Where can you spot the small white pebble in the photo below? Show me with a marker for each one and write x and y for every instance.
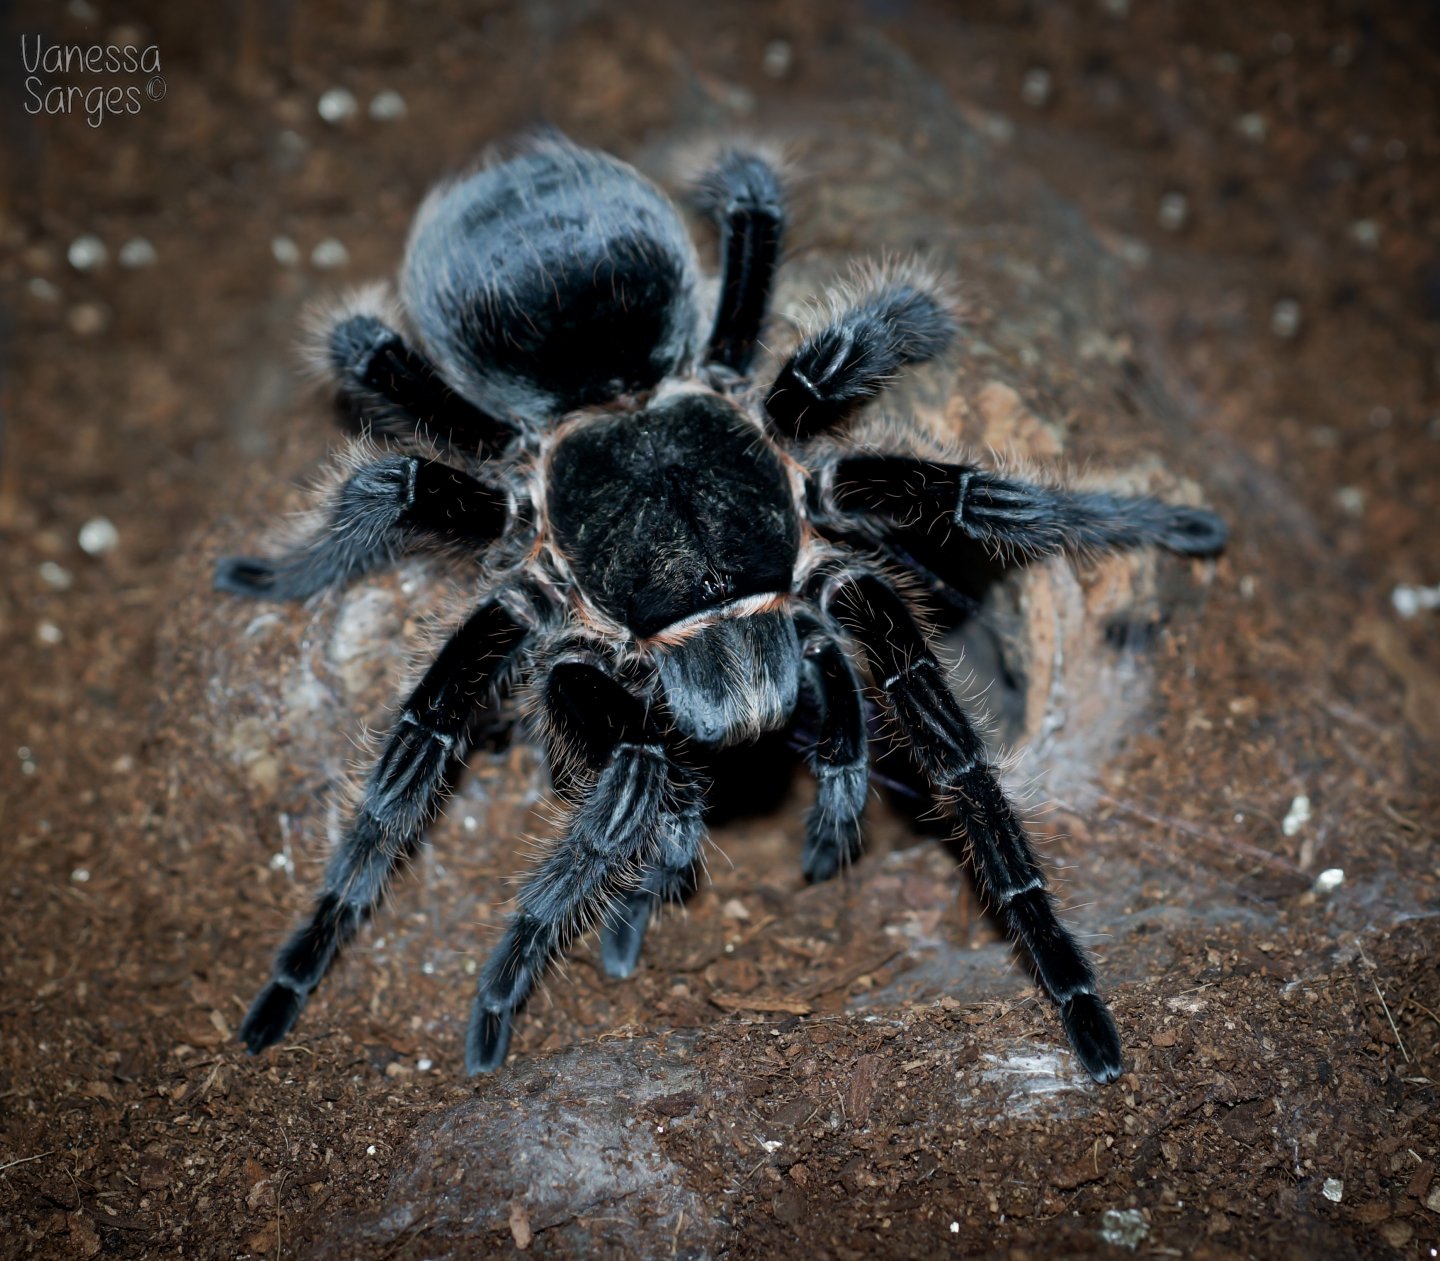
(1409, 601)
(1124, 1227)
(387, 106)
(42, 290)
(278, 862)
(1174, 210)
(285, 251)
(735, 909)
(427, 968)
(1329, 880)
(86, 253)
(1252, 126)
(772, 1144)
(1248, 587)
(954, 1228)
(424, 1065)
(471, 967)
(471, 823)
(778, 58)
(98, 536)
(1035, 89)
(1333, 1190)
(370, 1151)
(329, 254)
(1285, 318)
(337, 104)
(1365, 233)
(57, 576)
(138, 252)
(123, 764)
(27, 767)
(80, 875)
(1351, 499)
(49, 633)
(1297, 816)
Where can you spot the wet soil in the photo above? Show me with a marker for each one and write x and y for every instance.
(1197, 257)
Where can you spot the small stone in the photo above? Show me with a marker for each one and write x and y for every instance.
(1432, 1201)
(735, 909)
(1252, 127)
(1409, 601)
(1365, 233)
(1285, 318)
(387, 106)
(424, 1065)
(138, 252)
(370, 1151)
(43, 290)
(1035, 89)
(778, 58)
(1333, 1190)
(1174, 210)
(48, 633)
(329, 254)
(80, 875)
(1123, 1227)
(1297, 816)
(98, 536)
(86, 253)
(1351, 500)
(57, 576)
(1329, 880)
(337, 105)
(89, 318)
(285, 251)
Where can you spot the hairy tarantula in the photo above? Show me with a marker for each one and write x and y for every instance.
(668, 559)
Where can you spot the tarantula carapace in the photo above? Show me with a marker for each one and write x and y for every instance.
(667, 559)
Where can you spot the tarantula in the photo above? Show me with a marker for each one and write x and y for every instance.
(668, 558)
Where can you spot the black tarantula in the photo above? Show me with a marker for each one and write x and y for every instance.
(669, 559)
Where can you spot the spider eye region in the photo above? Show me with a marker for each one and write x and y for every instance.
(670, 512)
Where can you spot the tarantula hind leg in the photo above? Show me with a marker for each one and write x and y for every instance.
(1014, 516)
(949, 751)
(855, 355)
(839, 758)
(399, 798)
(381, 511)
(631, 821)
(392, 389)
(741, 193)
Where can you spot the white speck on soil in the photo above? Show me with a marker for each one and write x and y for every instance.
(98, 536)
(1297, 816)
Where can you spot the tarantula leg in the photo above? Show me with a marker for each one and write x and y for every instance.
(1016, 516)
(392, 389)
(839, 759)
(855, 355)
(741, 193)
(400, 796)
(630, 819)
(380, 512)
(946, 747)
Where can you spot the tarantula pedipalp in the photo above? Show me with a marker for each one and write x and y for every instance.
(667, 557)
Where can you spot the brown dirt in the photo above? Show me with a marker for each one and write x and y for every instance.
(859, 1069)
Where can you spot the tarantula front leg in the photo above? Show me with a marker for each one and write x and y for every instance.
(400, 797)
(392, 389)
(636, 817)
(382, 510)
(741, 194)
(840, 758)
(853, 357)
(1013, 516)
(948, 750)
